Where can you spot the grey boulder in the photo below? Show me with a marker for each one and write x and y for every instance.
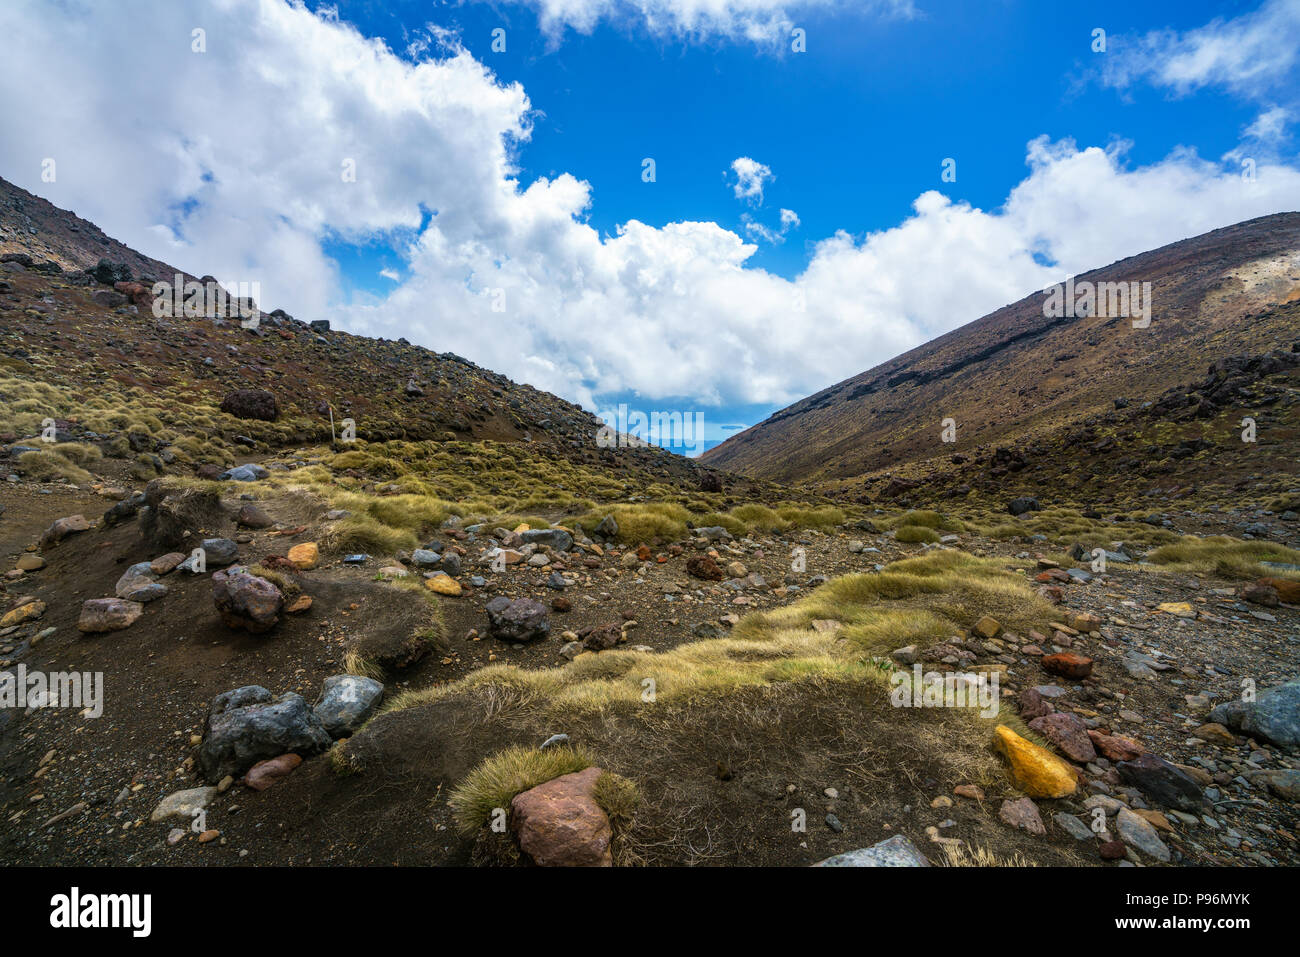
(345, 702)
(247, 725)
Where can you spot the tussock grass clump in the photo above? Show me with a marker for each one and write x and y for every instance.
(822, 518)
(498, 778)
(641, 523)
(80, 453)
(916, 533)
(930, 596)
(1226, 557)
(50, 466)
(355, 664)
(289, 588)
(361, 533)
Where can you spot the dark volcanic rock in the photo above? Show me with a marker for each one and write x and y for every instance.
(1162, 782)
(246, 725)
(246, 601)
(1018, 506)
(520, 620)
(251, 404)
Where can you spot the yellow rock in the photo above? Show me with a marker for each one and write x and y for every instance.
(987, 627)
(28, 612)
(1036, 771)
(1179, 608)
(521, 527)
(443, 585)
(305, 556)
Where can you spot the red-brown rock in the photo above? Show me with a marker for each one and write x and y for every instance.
(1116, 747)
(265, 773)
(1067, 664)
(1068, 733)
(559, 823)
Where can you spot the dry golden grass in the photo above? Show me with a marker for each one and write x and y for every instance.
(964, 855)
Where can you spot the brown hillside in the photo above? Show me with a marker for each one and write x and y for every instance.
(1015, 376)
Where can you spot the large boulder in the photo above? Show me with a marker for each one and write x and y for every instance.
(251, 404)
(246, 601)
(522, 619)
(248, 725)
(346, 702)
(1274, 716)
(1019, 506)
(560, 823)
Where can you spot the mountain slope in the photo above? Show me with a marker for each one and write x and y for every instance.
(88, 352)
(1015, 376)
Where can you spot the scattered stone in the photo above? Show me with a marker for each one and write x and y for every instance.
(1022, 813)
(183, 804)
(522, 619)
(1068, 734)
(1139, 834)
(1274, 716)
(306, 555)
(62, 528)
(251, 404)
(139, 583)
(704, 567)
(246, 601)
(108, 614)
(1162, 782)
(250, 516)
(248, 725)
(1067, 665)
(244, 473)
(28, 611)
(346, 702)
(263, 774)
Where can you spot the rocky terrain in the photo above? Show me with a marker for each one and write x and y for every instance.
(468, 634)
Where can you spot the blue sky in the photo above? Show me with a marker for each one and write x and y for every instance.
(515, 177)
(855, 130)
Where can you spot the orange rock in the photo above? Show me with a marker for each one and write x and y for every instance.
(1036, 771)
(305, 555)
